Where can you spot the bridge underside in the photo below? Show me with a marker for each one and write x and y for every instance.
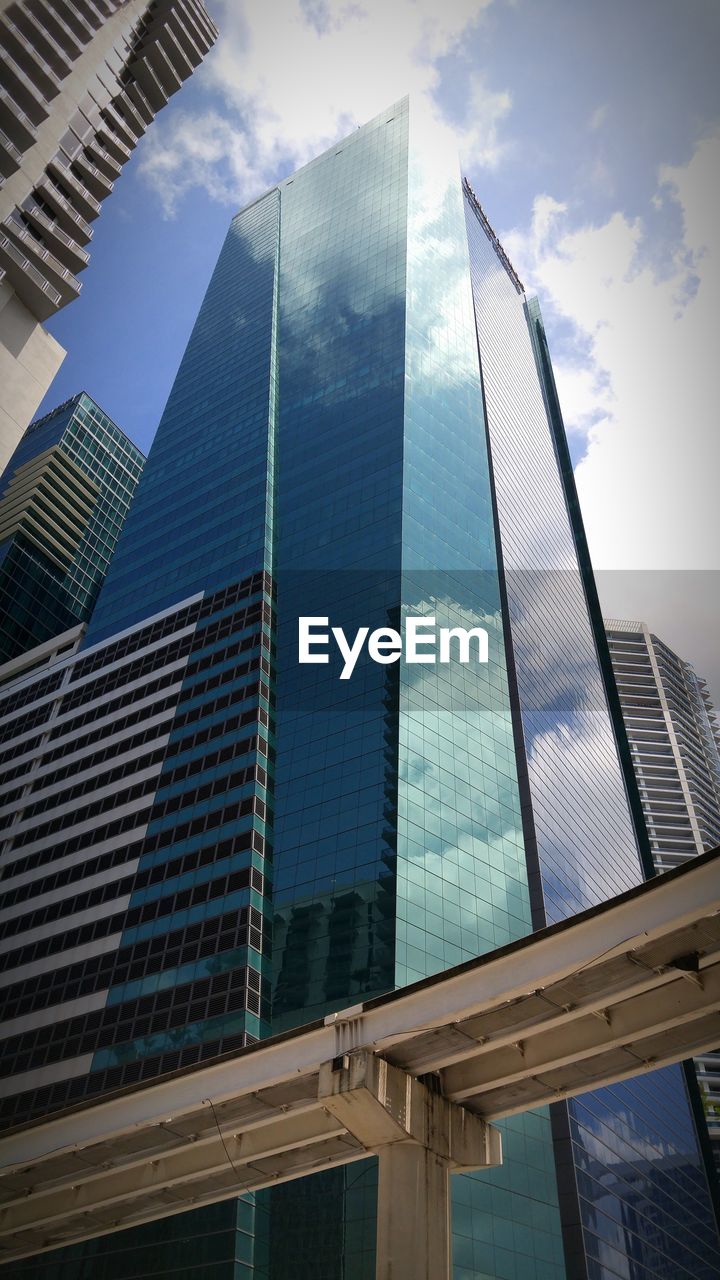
(415, 1077)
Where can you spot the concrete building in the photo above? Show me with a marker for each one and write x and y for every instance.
(673, 733)
(79, 84)
(64, 497)
(206, 841)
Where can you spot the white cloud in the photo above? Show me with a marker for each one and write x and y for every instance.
(296, 75)
(646, 394)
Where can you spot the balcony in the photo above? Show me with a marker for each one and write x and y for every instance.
(23, 90)
(202, 20)
(20, 130)
(113, 147)
(186, 33)
(10, 157)
(131, 115)
(135, 97)
(91, 13)
(67, 215)
(31, 287)
(121, 126)
(35, 34)
(170, 64)
(146, 80)
(84, 202)
(179, 58)
(106, 163)
(28, 58)
(75, 20)
(59, 276)
(52, 23)
(94, 179)
(66, 250)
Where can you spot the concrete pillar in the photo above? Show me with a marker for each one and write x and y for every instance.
(419, 1138)
(413, 1214)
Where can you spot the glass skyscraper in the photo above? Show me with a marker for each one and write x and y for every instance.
(64, 497)
(364, 428)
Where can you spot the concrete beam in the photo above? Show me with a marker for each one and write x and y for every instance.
(419, 1138)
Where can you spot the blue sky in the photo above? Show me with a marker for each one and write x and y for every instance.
(591, 133)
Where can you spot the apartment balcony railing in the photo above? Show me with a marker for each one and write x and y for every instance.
(85, 203)
(23, 90)
(10, 156)
(97, 183)
(75, 20)
(190, 39)
(69, 217)
(30, 285)
(169, 62)
(135, 96)
(62, 245)
(19, 128)
(92, 13)
(131, 113)
(149, 82)
(106, 163)
(37, 35)
(46, 13)
(28, 58)
(125, 127)
(60, 277)
(111, 145)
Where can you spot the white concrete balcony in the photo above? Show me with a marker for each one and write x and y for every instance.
(36, 35)
(68, 216)
(18, 127)
(75, 20)
(85, 203)
(148, 81)
(32, 288)
(60, 278)
(135, 96)
(27, 96)
(28, 58)
(56, 27)
(97, 183)
(92, 13)
(65, 248)
(105, 162)
(111, 145)
(10, 156)
(203, 20)
(131, 114)
(122, 125)
(170, 64)
(187, 34)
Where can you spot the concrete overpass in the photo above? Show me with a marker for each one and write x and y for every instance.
(415, 1077)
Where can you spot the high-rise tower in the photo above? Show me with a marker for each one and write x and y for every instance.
(63, 499)
(364, 429)
(79, 84)
(673, 733)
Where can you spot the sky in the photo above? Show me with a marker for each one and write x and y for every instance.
(591, 134)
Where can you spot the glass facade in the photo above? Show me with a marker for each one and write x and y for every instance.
(334, 447)
(634, 1192)
(38, 598)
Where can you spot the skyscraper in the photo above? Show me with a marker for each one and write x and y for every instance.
(364, 428)
(63, 500)
(79, 85)
(673, 733)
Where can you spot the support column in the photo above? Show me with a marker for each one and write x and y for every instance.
(419, 1138)
(413, 1214)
